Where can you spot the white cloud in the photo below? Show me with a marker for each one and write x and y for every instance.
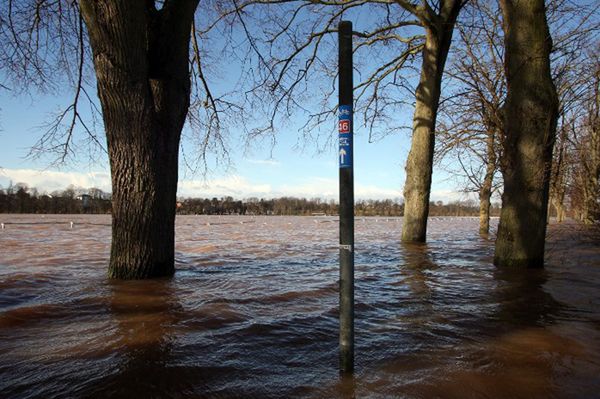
(375, 192)
(450, 195)
(310, 188)
(328, 188)
(266, 162)
(235, 186)
(48, 181)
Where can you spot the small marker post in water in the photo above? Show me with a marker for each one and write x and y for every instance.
(346, 198)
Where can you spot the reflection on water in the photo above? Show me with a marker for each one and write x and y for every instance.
(252, 312)
(144, 314)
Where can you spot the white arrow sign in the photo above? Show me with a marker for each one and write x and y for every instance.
(342, 155)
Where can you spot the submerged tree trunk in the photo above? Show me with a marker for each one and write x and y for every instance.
(141, 63)
(485, 193)
(419, 164)
(531, 113)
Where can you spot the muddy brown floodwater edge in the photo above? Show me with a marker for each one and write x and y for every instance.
(252, 313)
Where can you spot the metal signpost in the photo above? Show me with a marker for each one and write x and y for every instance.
(346, 128)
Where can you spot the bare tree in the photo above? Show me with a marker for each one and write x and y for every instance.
(592, 158)
(472, 120)
(472, 109)
(296, 47)
(439, 26)
(141, 68)
(141, 61)
(575, 29)
(585, 147)
(44, 48)
(531, 113)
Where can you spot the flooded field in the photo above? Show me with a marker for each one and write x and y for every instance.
(252, 313)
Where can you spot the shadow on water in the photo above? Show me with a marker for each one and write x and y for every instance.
(145, 313)
(522, 299)
(151, 361)
(513, 352)
(417, 265)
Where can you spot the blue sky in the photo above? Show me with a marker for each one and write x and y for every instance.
(284, 170)
(259, 172)
(264, 171)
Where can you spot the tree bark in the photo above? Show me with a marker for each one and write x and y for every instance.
(485, 193)
(419, 164)
(142, 71)
(530, 127)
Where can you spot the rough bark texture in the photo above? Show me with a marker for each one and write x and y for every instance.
(530, 128)
(419, 164)
(141, 62)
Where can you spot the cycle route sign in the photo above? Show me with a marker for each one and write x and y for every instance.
(345, 136)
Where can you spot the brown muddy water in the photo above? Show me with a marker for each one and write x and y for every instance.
(252, 313)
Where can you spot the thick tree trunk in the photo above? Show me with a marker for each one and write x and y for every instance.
(419, 164)
(141, 63)
(530, 127)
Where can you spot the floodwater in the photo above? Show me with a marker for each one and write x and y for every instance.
(252, 313)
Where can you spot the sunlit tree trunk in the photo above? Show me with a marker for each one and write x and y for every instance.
(531, 112)
(419, 164)
(141, 62)
(485, 192)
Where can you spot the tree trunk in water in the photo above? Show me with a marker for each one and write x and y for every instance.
(485, 193)
(419, 164)
(529, 131)
(484, 211)
(141, 63)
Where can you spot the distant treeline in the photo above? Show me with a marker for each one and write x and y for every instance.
(22, 199)
(315, 206)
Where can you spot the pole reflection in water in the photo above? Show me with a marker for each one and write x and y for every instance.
(252, 312)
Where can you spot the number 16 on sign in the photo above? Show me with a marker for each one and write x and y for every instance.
(345, 136)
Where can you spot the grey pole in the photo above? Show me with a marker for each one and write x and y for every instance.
(346, 128)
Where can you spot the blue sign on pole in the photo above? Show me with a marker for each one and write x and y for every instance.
(345, 129)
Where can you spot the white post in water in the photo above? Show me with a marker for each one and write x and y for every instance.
(346, 198)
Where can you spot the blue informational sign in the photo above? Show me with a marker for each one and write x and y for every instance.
(345, 129)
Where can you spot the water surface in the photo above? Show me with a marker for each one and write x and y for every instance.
(252, 312)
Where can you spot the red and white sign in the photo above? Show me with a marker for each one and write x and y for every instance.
(344, 126)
